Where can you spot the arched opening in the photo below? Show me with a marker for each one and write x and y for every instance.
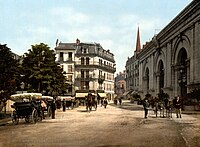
(161, 76)
(182, 72)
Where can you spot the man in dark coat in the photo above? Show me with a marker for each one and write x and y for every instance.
(177, 104)
(53, 109)
(146, 107)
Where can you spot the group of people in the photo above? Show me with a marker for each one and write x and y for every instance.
(176, 104)
(118, 99)
(52, 106)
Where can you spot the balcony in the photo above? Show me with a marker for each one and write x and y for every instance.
(66, 61)
(96, 65)
(85, 78)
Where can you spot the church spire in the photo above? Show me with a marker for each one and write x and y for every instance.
(138, 46)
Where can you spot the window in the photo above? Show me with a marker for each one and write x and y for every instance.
(82, 73)
(87, 73)
(70, 78)
(82, 61)
(87, 84)
(87, 61)
(70, 56)
(82, 85)
(69, 68)
(85, 50)
(61, 56)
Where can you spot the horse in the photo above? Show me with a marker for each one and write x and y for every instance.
(91, 102)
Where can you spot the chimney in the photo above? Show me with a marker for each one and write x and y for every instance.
(77, 41)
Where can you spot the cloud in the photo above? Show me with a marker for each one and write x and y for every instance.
(69, 15)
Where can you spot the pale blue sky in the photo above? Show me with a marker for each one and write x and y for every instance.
(112, 23)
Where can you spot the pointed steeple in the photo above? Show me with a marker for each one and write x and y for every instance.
(138, 46)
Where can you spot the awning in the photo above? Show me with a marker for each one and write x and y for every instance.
(102, 94)
(65, 97)
(81, 95)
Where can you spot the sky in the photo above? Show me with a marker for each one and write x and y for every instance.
(112, 23)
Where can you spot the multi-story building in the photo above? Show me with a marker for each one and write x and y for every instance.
(169, 62)
(132, 69)
(120, 84)
(91, 67)
(65, 56)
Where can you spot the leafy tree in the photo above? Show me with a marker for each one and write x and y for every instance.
(8, 73)
(41, 72)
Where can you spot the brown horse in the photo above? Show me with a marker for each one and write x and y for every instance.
(91, 102)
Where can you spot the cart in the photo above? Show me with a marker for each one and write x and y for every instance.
(26, 107)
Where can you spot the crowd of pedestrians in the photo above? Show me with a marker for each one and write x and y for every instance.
(163, 106)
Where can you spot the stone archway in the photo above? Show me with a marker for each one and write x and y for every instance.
(182, 72)
(160, 76)
(147, 79)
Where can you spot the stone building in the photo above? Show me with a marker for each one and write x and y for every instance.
(169, 62)
(120, 84)
(88, 66)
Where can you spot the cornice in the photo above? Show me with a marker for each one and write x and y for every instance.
(180, 20)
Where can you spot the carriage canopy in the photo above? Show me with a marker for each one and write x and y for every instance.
(25, 96)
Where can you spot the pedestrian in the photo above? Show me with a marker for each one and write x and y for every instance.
(101, 102)
(120, 100)
(43, 107)
(105, 102)
(177, 104)
(146, 107)
(64, 105)
(53, 109)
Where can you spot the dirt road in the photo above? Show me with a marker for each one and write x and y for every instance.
(114, 126)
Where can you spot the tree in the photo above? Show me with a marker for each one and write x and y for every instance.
(8, 72)
(41, 72)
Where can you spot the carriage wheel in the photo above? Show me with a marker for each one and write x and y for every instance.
(49, 112)
(34, 116)
(15, 119)
(27, 119)
(40, 116)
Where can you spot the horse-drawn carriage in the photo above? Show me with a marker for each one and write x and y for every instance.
(91, 101)
(27, 106)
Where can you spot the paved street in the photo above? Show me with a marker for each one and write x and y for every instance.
(114, 126)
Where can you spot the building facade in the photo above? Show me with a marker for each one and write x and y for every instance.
(120, 85)
(169, 62)
(91, 67)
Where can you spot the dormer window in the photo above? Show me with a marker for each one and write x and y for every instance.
(85, 50)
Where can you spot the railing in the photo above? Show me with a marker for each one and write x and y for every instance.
(95, 64)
